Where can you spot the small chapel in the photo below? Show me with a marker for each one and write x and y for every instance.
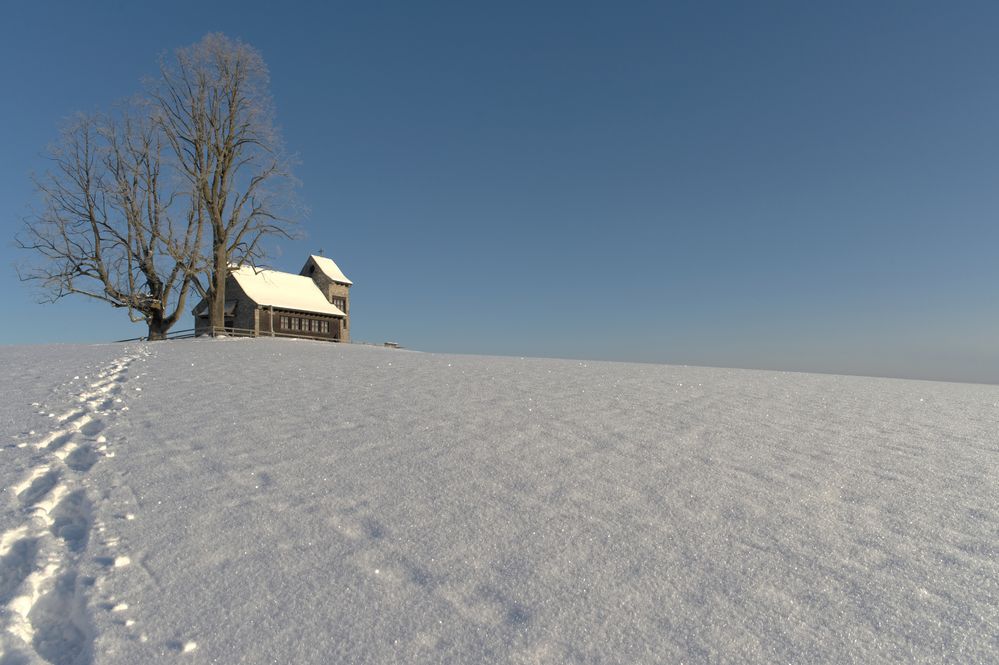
(314, 304)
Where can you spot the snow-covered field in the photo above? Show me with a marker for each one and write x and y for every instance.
(269, 501)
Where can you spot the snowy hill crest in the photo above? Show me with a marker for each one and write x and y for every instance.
(267, 500)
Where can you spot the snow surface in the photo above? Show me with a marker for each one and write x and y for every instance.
(262, 501)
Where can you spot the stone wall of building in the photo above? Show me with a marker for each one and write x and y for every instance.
(331, 290)
(244, 316)
(336, 290)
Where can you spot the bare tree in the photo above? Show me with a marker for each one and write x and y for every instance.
(218, 116)
(107, 227)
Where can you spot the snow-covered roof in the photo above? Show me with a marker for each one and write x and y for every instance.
(330, 269)
(284, 290)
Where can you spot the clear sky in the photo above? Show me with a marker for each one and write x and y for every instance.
(787, 185)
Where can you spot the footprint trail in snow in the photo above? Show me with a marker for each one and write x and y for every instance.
(43, 593)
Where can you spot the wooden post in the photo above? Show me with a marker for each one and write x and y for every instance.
(272, 320)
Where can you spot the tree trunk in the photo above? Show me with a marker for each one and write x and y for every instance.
(158, 327)
(216, 294)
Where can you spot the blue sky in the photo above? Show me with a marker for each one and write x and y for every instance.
(805, 186)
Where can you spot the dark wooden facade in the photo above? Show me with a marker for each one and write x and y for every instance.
(297, 324)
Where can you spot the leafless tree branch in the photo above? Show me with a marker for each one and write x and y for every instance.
(217, 117)
(106, 229)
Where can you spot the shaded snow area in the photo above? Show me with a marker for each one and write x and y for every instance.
(282, 501)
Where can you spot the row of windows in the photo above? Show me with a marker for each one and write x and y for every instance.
(304, 325)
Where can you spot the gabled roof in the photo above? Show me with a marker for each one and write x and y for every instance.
(330, 269)
(284, 290)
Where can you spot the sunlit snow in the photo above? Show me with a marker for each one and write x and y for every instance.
(261, 501)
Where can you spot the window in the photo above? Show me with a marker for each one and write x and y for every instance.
(303, 324)
(340, 304)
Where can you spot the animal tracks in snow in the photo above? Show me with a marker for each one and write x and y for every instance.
(42, 590)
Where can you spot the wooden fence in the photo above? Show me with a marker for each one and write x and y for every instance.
(243, 332)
